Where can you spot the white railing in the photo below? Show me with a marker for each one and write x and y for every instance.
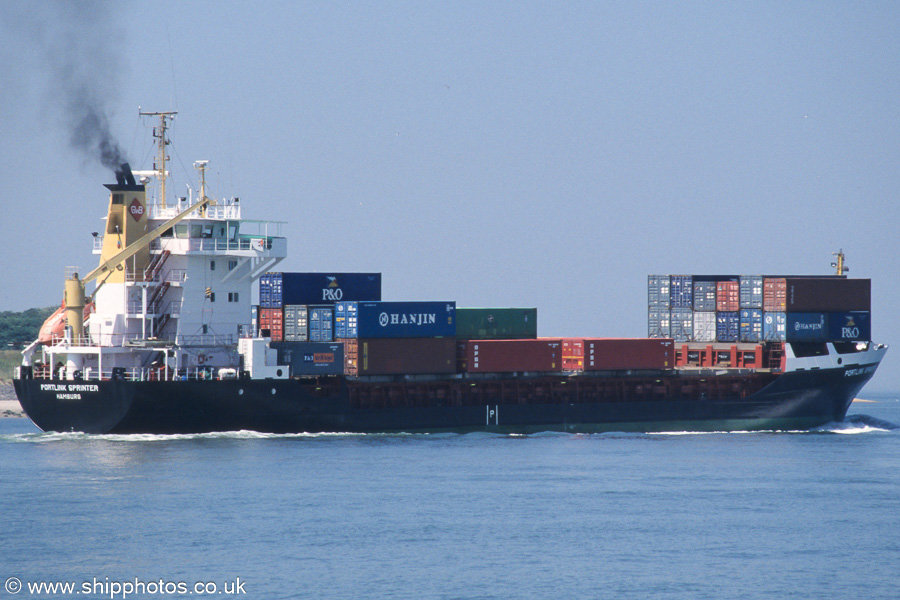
(105, 340)
(120, 340)
(132, 374)
(226, 209)
(176, 275)
(141, 277)
(172, 276)
(207, 339)
(179, 245)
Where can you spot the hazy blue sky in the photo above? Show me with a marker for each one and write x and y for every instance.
(516, 154)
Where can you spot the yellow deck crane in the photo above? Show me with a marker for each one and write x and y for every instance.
(74, 289)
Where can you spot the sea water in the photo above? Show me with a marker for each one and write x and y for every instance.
(811, 514)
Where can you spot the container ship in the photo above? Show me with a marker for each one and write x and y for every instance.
(170, 340)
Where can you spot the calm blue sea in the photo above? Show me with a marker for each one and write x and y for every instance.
(732, 515)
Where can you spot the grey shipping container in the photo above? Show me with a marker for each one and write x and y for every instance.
(659, 323)
(682, 322)
(658, 291)
(751, 289)
(296, 326)
(705, 296)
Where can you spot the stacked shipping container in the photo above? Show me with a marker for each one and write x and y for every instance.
(756, 308)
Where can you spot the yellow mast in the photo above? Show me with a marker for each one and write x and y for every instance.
(839, 263)
(159, 133)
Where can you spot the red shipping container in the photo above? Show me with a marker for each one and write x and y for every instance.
(728, 296)
(573, 354)
(401, 356)
(612, 354)
(774, 294)
(506, 356)
(273, 320)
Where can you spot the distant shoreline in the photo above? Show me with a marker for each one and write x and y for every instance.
(9, 405)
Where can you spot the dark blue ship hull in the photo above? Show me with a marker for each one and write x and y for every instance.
(650, 402)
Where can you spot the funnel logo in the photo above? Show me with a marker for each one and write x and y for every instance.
(136, 209)
(850, 331)
(332, 292)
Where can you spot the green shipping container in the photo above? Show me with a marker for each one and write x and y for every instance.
(496, 323)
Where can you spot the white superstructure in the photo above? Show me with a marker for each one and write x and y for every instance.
(182, 302)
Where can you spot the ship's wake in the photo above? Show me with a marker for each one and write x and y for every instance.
(52, 436)
(854, 424)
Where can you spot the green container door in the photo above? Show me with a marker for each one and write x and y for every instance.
(496, 323)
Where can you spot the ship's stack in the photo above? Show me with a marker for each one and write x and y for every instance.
(754, 309)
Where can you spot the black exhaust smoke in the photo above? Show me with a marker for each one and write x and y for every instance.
(124, 176)
(80, 43)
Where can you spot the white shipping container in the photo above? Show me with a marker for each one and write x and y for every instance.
(704, 326)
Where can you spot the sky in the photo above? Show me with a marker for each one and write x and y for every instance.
(542, 154)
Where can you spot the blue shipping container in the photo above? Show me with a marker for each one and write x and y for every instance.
(806, 327)
(345, 320)
(727, 326)
(270, 290)
(850, 327)
(705, 296)
(681, 291)
(321, 319)
(751, 289)
(658, 291)
(751, 325)
(311, 358)
(774, 326)
(328, 288)
(658, 324)
(406, 319)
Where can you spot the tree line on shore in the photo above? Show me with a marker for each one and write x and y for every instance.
(18, 329)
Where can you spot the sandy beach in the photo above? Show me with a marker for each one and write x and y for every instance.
(9, 406)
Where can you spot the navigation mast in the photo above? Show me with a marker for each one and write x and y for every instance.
(159, 132)
(838, 264)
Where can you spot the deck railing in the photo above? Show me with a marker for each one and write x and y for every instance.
(61, 373)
